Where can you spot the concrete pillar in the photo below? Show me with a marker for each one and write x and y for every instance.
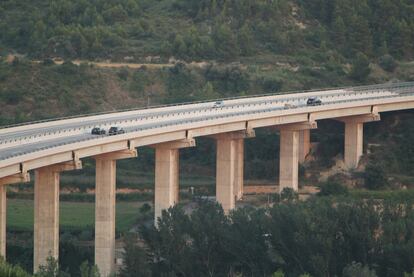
(353, 143)
(167, 174)
(14, 179)
(46, 211)
(289, 159)
(230, 167)
(166, 179)
(46, 216)
(225, 173)
(105, 216)
(105, 196)
(3, 215)
(304, 144)
(354, 134)
(239, 169)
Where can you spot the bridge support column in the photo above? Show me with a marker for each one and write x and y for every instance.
(14, 179)
(3, 215)
(353, 143)
(304, 144)
(105, 196)
(225, 173)
(167, 174)
(230, 167)
(46, 211)
(290, 153)
(239, 169)
(289, 160)
(354, 134)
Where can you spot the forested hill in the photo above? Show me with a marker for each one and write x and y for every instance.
(206, 29)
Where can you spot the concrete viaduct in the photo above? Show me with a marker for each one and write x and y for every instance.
(51, 147)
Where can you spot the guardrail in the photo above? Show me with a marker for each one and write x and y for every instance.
(357, 88)
(192, 120)
(160, 115)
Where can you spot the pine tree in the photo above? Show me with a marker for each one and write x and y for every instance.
(360, 68)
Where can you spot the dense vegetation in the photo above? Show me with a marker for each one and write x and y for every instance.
(243, 47)
(218, 29)
(321, 237)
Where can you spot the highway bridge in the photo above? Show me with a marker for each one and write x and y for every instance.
(53, 146)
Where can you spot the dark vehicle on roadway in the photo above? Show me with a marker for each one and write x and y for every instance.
(218, 104)
(314, 101)
(98, 131)
(115, 131)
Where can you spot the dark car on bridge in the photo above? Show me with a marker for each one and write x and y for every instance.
(115, 131)
(314, 101)
(98, 131)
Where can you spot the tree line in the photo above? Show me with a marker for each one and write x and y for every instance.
(217, 29)
(323, 236)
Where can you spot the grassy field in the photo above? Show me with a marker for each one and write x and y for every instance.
(73, 215)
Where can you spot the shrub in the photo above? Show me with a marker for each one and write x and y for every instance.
(48, 61)
(278, 273)
(87, 270)
(7, 270)
(123, 73)
(360, 68)
(288, 194)
(388, 63)
(333, 188)
(375, 176)
(145, 208)
(51, 269)
(358, 270)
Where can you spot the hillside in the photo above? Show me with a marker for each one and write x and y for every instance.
(71, 57)
(139, 30)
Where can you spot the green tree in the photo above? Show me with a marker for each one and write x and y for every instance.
(7, 270)
(51, 269)
(136, 261)
(246, 41)
(207, 92)
(375, 176)
(179, 46)
(332, 188)
(89, 271)
(388, 63)
(225, 42)
(360, 68)
(358, 270)
(339, 31)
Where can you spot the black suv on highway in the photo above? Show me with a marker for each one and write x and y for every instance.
(314, 101)
(98, 131)
(115, 131)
